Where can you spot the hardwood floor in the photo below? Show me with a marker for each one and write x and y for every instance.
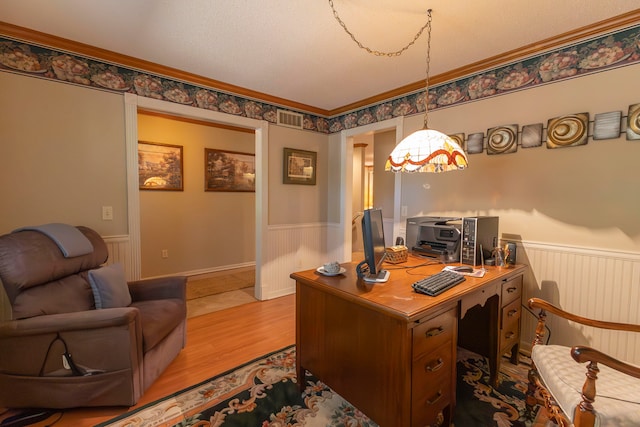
(216, 342)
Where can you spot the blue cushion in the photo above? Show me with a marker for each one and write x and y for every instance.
(109, 286)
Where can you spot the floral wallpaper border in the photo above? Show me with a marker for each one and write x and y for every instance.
(615, 49)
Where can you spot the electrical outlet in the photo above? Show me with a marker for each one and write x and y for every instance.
(403, 211)
(165, 253)
(107, 213)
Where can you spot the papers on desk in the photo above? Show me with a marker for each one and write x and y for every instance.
(477, 272)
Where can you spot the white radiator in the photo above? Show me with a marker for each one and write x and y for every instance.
(598, 284)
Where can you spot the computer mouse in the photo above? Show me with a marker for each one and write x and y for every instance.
(463, 269)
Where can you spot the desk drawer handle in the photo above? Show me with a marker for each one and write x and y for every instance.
(512, 313)
(509, 335)
(432, 368)
(435, 399)
(434, 331)
(512, 289)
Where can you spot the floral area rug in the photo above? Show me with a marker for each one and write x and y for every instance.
(264, 393)
(479, 404)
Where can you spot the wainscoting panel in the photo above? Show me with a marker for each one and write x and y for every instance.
(598, 284)
(120, 251)
(291, 248)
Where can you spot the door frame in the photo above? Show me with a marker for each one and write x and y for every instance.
(346, 178)
(261, 127)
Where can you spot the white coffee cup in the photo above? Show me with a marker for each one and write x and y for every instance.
(332, 267)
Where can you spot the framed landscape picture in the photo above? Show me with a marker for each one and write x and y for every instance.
(299, 167)
(160, 166)
(229, 171)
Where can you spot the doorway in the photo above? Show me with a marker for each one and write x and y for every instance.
(351, 197)
(132, 103)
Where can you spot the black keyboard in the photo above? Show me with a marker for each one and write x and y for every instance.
(438, 283)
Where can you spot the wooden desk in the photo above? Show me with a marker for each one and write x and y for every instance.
(390, 351)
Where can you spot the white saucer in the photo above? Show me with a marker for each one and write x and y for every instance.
(322, 271)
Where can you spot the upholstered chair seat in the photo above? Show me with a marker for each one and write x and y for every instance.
(617, 394)
(581, 386)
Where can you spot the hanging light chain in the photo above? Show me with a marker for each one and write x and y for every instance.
(426, 80)
(376, 52)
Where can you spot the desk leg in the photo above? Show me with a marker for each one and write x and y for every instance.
(300, 378)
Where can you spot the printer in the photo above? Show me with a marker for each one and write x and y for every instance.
(437, 237)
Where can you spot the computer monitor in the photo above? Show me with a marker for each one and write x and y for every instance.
(374, 247)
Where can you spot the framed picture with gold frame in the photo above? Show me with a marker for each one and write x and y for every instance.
(160, 166)
(299, 167)
(229, 171)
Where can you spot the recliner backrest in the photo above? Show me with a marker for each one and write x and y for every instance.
(39, 280)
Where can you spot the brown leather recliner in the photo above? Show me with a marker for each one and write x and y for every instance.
(80, 335)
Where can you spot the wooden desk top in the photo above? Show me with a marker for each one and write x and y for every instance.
(396, 297)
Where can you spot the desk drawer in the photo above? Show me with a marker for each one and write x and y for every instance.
(433, 333)
(432, 368)
(511, 290)
(510, 332)
(430, 402)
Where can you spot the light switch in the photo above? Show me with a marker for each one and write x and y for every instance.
(107, 213)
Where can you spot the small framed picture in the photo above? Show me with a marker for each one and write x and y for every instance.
(160, 166)
(229, 171)
(299, 167)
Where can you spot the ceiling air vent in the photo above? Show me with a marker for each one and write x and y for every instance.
(290, 119)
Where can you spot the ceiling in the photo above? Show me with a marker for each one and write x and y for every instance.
(296, 50)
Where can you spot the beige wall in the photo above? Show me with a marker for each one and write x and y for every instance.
(63, 155)
(383, 182)
(292, 203)
(584, 196)
(200, 230)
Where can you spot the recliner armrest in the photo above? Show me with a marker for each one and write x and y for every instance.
(159, 288)
(65, 322)
(107, 340)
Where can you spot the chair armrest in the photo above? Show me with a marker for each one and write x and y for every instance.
(548, 307)
(583, 354)
(159, 288)
(106, 340)
(66, 322)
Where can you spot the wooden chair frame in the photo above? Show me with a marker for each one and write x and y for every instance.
(584, 415)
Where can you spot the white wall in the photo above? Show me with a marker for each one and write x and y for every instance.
(574, 212)
(201, 230)
(579, 196)
(63, 155)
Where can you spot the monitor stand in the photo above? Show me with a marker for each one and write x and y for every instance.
(381, 277)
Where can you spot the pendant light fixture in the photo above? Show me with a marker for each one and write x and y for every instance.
(427, 150)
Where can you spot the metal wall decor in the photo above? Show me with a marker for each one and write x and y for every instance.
(475, 143)
(607, 125)
(502, 139)
(531, 136)
(568, 131)
(633, 122)
(458, 138)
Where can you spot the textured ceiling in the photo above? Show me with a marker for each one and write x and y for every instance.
(296, 50)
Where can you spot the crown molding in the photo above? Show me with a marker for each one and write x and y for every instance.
(564, 39)
(59, 43)
(622, 21)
